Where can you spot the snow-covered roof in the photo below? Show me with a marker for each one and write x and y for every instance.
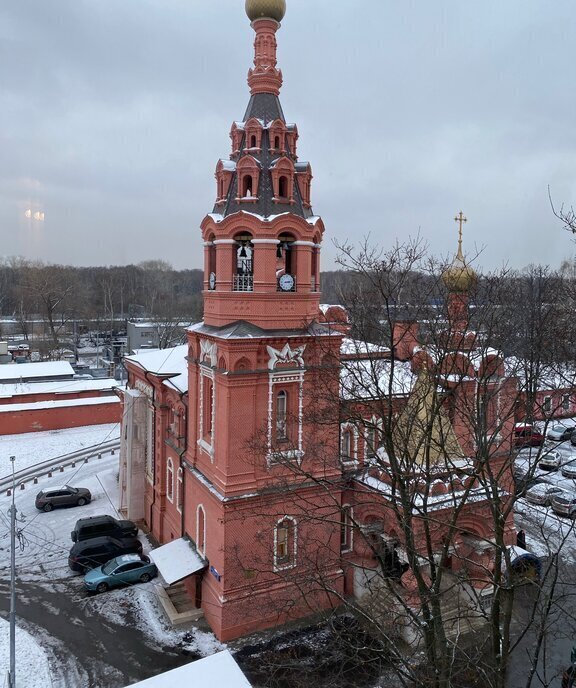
(325, 307)
(169, 362)
(373, 378)
(355, 347)
(34, 371)
(60, 403)
(228, 165)
(177, 559)
(218, 670)
(17, 389)
(547, 377)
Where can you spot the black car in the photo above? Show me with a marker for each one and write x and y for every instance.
(99, 526)
(87, 554)
(64, 496)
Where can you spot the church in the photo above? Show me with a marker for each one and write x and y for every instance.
(259, 443)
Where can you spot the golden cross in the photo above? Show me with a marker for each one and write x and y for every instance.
(460, 219)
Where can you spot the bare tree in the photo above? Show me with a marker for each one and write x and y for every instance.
(423, 499)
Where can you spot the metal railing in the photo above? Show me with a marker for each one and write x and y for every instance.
(40, 469)
(243, 283)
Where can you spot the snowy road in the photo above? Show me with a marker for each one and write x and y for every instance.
(108, 640)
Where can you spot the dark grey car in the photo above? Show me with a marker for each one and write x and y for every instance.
(63, 496)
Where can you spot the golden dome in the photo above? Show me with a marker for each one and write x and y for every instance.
(459, 277)
(269, 9)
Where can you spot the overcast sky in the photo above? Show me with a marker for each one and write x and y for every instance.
(113, 114)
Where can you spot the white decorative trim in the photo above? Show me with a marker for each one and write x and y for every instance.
(224, 241)
(209, 350)
(285, 355)
(179, 489)
(350, 509)
(170, 484)
(206, 374)
(303, 243)
(209, 243)
(291, 564)
(145, 388)
(353, 460)
(282, 378)
(202, 550)
(266, 241)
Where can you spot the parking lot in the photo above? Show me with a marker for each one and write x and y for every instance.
(108, 640)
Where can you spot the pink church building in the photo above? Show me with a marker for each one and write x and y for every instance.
(231, 440)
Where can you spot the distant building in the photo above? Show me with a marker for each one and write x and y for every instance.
(141, 335)
(45, 396)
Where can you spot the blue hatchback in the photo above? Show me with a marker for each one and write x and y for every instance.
(122, 570)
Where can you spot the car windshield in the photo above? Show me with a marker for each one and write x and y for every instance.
(69, 487)
(110, 566)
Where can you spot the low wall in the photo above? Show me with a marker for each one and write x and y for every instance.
(14, 419)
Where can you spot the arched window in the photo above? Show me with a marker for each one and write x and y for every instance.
(281, 413)
(277, 142)
(207, 411)
(221, 194)
(253, 141)
(180, 490)
(247, 184)
(346, 528)
(201, 529)
(285, 543)
(346, 444)
(283, 186)
(170, 480)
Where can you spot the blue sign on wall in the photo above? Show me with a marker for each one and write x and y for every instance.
(215, 573)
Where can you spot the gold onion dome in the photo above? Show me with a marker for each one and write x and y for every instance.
(459, 277)
(266, 9)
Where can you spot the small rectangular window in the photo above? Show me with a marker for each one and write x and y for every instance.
(566, 402)
(547, 406)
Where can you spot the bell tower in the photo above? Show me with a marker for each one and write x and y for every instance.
(262, 240)
(261, 369)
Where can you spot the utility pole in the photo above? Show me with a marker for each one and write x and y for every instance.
(12, 673)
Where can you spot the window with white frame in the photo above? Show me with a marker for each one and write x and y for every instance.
(170, 480)
(547, 406)
(285, 543)
(347, 444)
(281, 413)
(201, 529)
(180, 490)
(346, 528)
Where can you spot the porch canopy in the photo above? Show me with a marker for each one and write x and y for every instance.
(217, 670)
(177, 559)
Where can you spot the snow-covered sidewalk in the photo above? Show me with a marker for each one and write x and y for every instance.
(34, 447)
(32, 670)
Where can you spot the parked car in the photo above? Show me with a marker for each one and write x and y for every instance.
(550, 460)
(64, 496)
(98, 526)
(560, 433)
(86, 554)
(569, 469)
(564, 504)
(573, 438)
(524, 481)
(542, 493)
(527, 436)
(122, 570)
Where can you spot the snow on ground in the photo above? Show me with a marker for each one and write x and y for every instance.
(34, 447)
(32, 670)
(546, 532)
(47, 543)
